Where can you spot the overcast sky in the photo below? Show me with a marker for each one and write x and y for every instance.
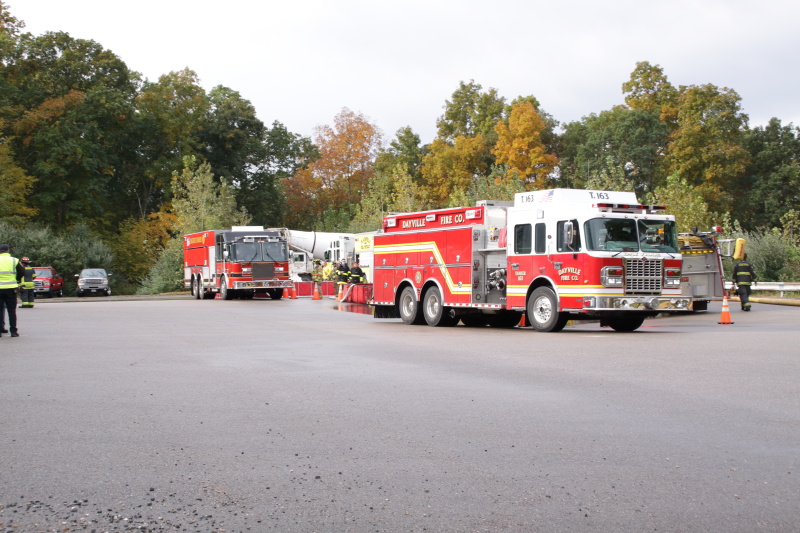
(396, 62)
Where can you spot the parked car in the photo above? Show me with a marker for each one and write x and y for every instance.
(48, 282)
(93, 281)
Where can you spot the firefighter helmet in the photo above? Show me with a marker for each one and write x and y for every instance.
(25, 260)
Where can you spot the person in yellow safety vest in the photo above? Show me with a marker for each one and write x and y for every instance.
(11, 274)
(327, 270)
(27, 290)
(356, 274)
(342, 272)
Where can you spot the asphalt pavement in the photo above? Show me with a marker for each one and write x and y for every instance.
(170, 414)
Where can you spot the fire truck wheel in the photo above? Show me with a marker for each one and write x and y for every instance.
(410, 310)
(435, 313)
(197, 291)
(225, 292)
(275, 294)
(626, 322)
(508, 319)
(543, 311)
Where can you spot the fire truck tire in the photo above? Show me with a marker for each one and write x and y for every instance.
(508, 319)
(475, 321)
(434, 311)
(626, 322)
(410, 311)
(543, 311)
(224, 291)
(275, 294)
(197, 290)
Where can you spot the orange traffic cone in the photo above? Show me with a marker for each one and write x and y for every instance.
(316, 292)
(340, 294)
(522, 322)
(725, 318)
(294, 292)
(287, 293)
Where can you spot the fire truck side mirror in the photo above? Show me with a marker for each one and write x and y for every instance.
(569, 234)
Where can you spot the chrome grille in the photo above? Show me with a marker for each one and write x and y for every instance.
(263, 271)
(643, 276)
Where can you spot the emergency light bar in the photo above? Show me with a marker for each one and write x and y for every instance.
(630, 207)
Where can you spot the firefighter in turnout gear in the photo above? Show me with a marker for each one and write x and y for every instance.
(342, 273)
(27, 290)
(743, 278)
(316, 274)
(11, 274)
(356, 274)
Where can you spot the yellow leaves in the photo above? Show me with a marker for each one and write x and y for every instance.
(450, 168)
(519, 146)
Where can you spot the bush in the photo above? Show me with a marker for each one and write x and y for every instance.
(774, 257)
(68, 252)
(167, 274)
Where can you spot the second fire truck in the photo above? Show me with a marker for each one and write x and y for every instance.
(236, 263)
(553, 256)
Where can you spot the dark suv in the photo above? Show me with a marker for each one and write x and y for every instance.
(93, 281)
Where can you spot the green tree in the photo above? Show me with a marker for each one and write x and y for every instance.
(682, 200)
(172, 113)
(470, 112)
(261, 191)
(707, 147)
(15, 187)
(202, 203)
(69, 102)
(621, 142)
(768, 189)
(404, 150)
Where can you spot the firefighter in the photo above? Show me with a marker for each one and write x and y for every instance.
(356, 274)
(11, 274)
(27, 290)
(327, 270)
(743, 277)
(342, 273)
(316, 274)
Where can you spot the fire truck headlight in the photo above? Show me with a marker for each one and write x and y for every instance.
(589, 302)
(612, 276)
(278, 269)
(672, 278)
(247, 270)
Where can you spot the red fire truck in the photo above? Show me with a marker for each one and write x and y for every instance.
(236, 263)
(553, 255)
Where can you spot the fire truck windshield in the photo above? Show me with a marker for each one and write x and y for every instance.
(247, 252)
(628, 235)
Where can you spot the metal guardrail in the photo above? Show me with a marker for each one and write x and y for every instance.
(776, 286)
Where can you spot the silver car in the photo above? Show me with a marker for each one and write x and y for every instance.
(93, 281)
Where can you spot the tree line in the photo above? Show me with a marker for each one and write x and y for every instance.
(89, 148)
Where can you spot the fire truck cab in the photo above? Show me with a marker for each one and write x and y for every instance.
(553, 255)
(236, 263)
